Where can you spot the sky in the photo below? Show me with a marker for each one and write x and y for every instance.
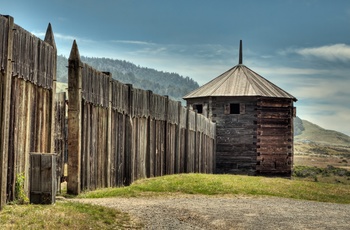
(301, 46)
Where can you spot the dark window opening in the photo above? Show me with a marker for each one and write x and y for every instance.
(199, 108)
(234, 108)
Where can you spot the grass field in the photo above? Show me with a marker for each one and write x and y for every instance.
(209, 184)
(72, 215)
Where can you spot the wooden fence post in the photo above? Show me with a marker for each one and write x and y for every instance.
(74, 120)
(5, 89)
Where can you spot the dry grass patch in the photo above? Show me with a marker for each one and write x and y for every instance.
(64, 215)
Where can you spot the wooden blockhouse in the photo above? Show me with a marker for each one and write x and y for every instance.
(254, 122)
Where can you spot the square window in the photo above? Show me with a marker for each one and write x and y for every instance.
(199, 108)
(234, 108)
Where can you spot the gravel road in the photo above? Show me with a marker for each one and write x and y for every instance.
(229, 212)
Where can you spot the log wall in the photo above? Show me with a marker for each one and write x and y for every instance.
(27, 85)
(258, 140)
(118, 134)
(236, 135)
(275, 136)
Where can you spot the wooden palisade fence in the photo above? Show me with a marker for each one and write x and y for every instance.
(118, 134)
(27, 89)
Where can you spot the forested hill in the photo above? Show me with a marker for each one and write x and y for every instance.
(162, 83)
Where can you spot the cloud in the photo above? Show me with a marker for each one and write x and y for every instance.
(336, 52)
(328, 116)
(62, 37)
(133, 42)
(282, 70)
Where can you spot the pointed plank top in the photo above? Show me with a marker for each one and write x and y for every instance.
(74, 53)
(49, 37)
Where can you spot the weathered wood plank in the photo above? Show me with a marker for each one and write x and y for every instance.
(74, 121)
(6, 82)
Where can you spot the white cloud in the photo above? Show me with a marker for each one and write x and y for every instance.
(326, 90)
(133, 42)
(289, 71)
(328, 116)
(336, 52)
(63, 37)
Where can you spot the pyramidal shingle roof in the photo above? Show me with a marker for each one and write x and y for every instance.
(239, 81)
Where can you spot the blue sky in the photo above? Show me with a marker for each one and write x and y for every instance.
(302, 46)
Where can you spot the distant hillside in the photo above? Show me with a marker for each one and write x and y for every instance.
(162, 83)
(315, 146)
(308, 132)
(298, 126)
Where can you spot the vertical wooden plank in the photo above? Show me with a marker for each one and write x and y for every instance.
(5, 111)
(113, 150)
(21, 139)
(166, 140)
(133, 155)
(97, 123)
(104, 147)
(11, 174)
(49, 39)
(178, 139)
(152, 147)
(94, 148)
(128, 143)
(35, 178)
(44, 123)
(148, 164)
(27, 124)
(48, 178)
(84, 147)
(143, 147)
(74, 121)
(122, 149)
(136, 150)
(40, 119)
(128, 138)
(109, 133)
(87, 139)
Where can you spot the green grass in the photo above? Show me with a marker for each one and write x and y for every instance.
(74, 215)
(229, 185)
(64, 215)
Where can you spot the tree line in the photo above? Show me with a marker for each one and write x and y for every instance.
(160, 82)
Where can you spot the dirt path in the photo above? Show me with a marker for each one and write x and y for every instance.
(203, 212)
